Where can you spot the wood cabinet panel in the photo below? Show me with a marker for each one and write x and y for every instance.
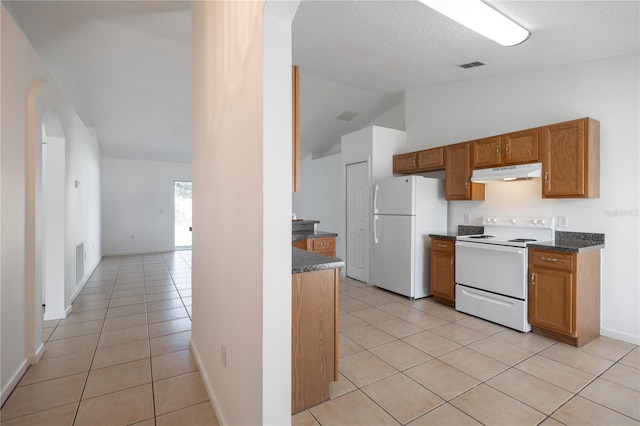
(325, 246)
(552, 300)
(314, 337)
(487, 152)
(405, 163)
(443, 270)
(458, 174)
(431, 159)
(571, 159)
(521, 147)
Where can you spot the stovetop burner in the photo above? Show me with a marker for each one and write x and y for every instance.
(522, 240)
(481, 237)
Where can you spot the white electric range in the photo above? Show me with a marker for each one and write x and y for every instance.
(491, 268)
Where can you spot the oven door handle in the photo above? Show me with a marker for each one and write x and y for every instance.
(481, 246)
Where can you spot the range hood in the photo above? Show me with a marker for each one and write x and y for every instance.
(507, 173)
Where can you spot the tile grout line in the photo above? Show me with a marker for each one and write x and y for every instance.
(95, 351)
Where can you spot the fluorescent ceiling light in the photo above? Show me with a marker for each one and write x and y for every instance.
(481, 18)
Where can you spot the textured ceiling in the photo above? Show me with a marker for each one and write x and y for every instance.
(126, 66)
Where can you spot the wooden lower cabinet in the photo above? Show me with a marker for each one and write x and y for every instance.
(325, 245)
(443, 285)
(564, 295)
(314, 337)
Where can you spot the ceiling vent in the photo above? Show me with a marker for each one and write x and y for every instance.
(472, 65)
(347, 116)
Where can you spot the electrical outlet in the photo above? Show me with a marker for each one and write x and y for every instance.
(223, 354)
(466, 218)
(563, 222)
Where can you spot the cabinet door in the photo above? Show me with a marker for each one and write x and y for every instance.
(487, 152)
(405, 163)
(552, 300)
(521, 147)
(570, 163)
(442, 275)
(431, 159)
(458, 174)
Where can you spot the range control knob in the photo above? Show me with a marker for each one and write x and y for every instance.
(542, 222)
(514, 221)
(535, 221)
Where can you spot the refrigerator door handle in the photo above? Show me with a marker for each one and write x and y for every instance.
(375, 229)
(375, 199)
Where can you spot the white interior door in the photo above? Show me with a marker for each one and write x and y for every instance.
(358, 213)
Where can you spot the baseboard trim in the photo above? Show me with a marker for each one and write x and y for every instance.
(80, 286)
(48, 316)
(13, 382)
(213, 399)
(129, 253)
(625, 337)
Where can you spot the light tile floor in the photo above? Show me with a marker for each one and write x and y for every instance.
(422, 363)
(122, 357)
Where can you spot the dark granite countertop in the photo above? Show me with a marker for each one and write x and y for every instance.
(462, 230)
(445, 236)
(307, 261)
(303, 235)
(567, 246)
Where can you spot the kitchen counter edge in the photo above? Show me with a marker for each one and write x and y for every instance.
(568, 246)
(306, 261)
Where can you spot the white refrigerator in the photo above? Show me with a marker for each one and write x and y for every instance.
(406, 210)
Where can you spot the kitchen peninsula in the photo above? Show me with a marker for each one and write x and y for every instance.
(314, 316)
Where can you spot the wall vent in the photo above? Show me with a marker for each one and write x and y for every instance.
(472, 65)
(79, 263)
(347, 116)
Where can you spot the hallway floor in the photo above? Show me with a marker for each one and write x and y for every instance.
(122, 358)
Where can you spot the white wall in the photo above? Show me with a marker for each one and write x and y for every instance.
(320, 195)
(242, 206)
(138, 200)
(607, 90)
(29, 98)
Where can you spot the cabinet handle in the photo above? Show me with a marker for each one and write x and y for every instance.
(452, 263)
(497, 150)
(442, 245)
(546, 178)
(506, 149)
(550, 259)
(533, 278)
(466, 185)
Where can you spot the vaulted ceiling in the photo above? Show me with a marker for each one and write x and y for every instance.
(126, 66)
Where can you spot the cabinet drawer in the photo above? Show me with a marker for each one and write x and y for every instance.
(443, 245)
(324, 244)
(551, 259)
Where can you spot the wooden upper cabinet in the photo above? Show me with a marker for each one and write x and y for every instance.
(295, 125)
(458, 174)
(571, 159)
(487, 152)
(431, 159)
(405, 163)
(521, 147)
(513, 148)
